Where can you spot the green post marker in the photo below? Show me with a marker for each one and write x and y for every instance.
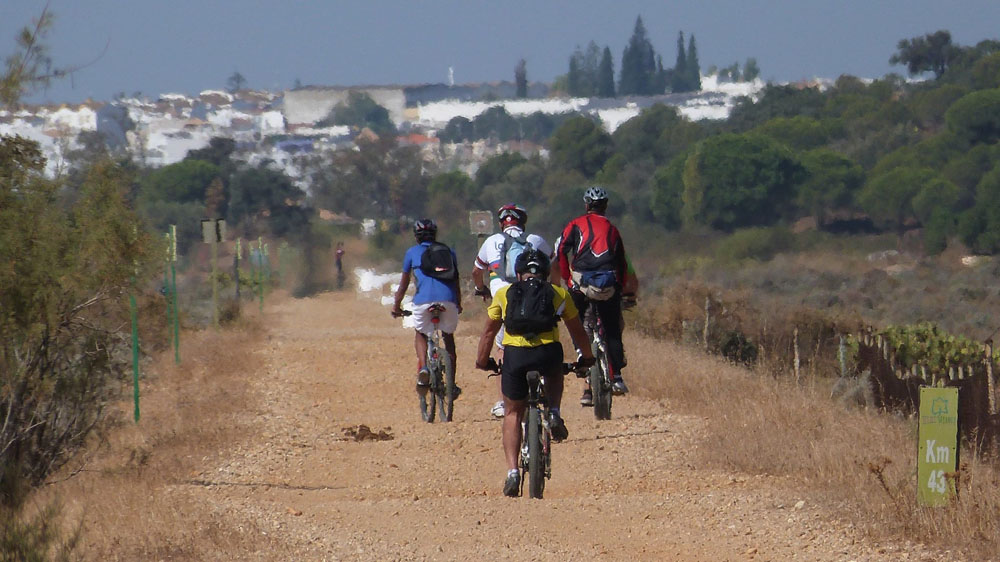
(215, 284)
(173, 293)
(236, 265)
(260, 271)
(133, 309)
(937, 445)
(166, 290)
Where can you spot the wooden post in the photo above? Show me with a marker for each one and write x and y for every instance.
(795, 345)
(990, 385)
(704, 333)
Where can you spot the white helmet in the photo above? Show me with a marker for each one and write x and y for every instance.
(594, 194)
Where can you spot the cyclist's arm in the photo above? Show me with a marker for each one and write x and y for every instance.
(575, 328)
(568, 241)
(490, 331)
(479, 278)
(404, 283)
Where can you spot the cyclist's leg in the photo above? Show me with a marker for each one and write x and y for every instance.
(515, 394)
(610, 313)
(551, 369)
(420, 346)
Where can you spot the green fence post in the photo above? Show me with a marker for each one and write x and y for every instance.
(173, 293)
(134, 314)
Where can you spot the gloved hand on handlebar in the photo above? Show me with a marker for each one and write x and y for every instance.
(483, 292)
(488, 365)
(585, 362)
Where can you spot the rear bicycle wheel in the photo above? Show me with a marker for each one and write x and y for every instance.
(446, 392)
(536, 464)
(428, 399)
(600, 386)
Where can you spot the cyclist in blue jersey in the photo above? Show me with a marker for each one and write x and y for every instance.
(430, 290)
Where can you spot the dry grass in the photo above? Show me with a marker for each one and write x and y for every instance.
(862, 461)
(189, 411)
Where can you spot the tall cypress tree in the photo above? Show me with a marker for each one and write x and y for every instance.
(680, 74)
(573, 76)
(521, 78)
(638, 64)
(693, 68)
(606, 76)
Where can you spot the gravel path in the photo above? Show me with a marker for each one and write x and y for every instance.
(623, 489)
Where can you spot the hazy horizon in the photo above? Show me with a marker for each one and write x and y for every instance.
(187, 47)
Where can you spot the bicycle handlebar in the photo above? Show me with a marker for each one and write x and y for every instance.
(578, 367)
(403, 313)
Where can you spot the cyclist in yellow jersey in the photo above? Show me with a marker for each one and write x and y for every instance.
(536, 351)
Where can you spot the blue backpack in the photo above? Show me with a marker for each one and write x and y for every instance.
(512, 247)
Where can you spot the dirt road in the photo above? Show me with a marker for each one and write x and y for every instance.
(625, 489)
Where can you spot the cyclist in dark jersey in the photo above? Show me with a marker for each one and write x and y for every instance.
(593, 264)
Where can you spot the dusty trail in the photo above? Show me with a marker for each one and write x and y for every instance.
(623, 489)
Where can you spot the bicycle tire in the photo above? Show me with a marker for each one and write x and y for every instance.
(428, 400)
(536, 464)
(447, 394)
(600, 386)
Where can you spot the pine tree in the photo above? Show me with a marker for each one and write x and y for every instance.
(680, 74)
(521, 79)
(638, 64)
(573, 78)
(606, 76)
(693, 68)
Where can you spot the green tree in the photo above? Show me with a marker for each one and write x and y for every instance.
(495, 169)
(734, 181)
(521, 79)
(831, 183)
(580, 144)
(667, 185)
(933, 52)
(679, 76)
(360, 111)
(266, 202)
(692, 67)
(799, 132)
(750, 70)
(638, 64)
(29, 67)
(62, 353)
(496, 123)
(175, 195)
(450, 195)
(236, 82)
(458, 129)
(979, 227)
(888, 198)
(976, 116)
(606, 76)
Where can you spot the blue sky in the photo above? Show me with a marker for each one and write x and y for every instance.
(186, 46)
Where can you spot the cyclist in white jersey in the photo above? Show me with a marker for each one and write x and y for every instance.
(486, 274)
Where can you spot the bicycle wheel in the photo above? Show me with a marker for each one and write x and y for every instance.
(600, 386)
(446, 388)
(428, 399)
(536, 464)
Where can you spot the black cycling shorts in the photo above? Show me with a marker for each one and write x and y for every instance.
(517, 361)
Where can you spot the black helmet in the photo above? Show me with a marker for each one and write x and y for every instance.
(425, 229)
(512, 214)
(532, 261)
(595, 194)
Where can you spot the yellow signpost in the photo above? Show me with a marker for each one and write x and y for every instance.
(937, 445)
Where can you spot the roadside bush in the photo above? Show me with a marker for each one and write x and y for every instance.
(64, 275)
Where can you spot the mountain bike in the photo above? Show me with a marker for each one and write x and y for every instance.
(440, 393)
(536, 437)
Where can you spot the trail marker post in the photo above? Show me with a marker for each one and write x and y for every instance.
(173, 293)
(937, 445)
(213, 231)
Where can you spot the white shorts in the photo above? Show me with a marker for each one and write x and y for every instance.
(448, 321)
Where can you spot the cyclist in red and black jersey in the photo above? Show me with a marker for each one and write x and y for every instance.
(593, 265)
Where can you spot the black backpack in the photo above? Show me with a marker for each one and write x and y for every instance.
(437, 262)
(530, 308)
